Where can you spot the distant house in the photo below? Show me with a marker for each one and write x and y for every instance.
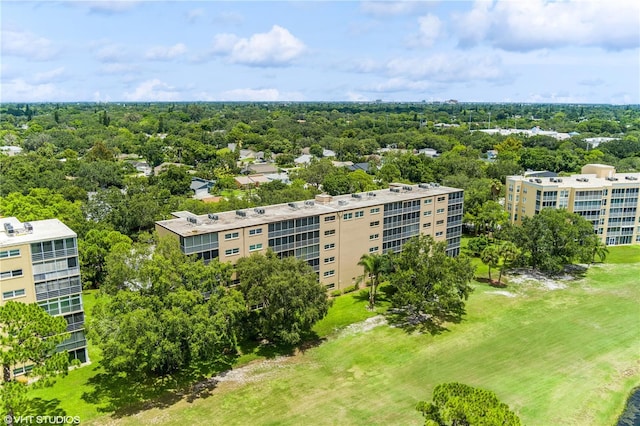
(10, 150)
(359, 166)
(250, 181)
(429, 152)
(142, 167)
(201, 186)
(492, 154)
(164, 166)
(328, 153)
(262, 168)
(282, 177)
(303, 159)
(342, 163)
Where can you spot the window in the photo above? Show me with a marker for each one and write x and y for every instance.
(439, 234)
(330, 218)
(9, 253)
(374, 236)
(330, 246)
(427, 225)
(439, 222)
(348, 216)
(330, 286)
(13, 293)
(427, 213)
(360, 214)
(11, 274)
(375, 210)
(374, 223)
(256, 231)
(231, 252)
(329, 232)
(231, 236)
(428, 201)
(254, 247)
(330, 259)
(373, 249)
(439, 211)
(329, 273)
(441, 198)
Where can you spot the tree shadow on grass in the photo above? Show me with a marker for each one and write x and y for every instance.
(43, 407)
(412, 321)
(123, 396)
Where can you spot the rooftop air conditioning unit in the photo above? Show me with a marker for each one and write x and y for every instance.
(631, 177)
(28, 227)
(259, 210)
(212, 216)
(538, 180)
(343, 202)
(241, 213)
(424, 186)
(309, 203)
(394, 189)
(356, 196)
(407, 188)
(193, 220)
(8, 228)
(293, 205)
(371, 194)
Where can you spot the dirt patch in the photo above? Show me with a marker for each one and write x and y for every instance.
(364, 326)
(502, 293)
(250, 373)
(539, 279)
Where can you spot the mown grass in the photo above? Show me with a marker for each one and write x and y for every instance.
(565, 356)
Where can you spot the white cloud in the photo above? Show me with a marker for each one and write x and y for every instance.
(27, 45)
(117, 68)
(399, 85)
(107, 6)
(387, 8)
(430, 28)
(447, 68)
(153, 90)
(19, 90)
(165, 53)
(538, 24)
(278, 47)
(111, 53)
(194, 14)
(50, 76)
(356, 97)
(260, 95)
(233, 18)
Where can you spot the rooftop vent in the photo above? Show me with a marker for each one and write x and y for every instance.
(343, 202)
(394, 189)
(356, 196)
(293, 205)
(8, 228)
(241, 213)
(212, 216)
(309, 203)
(28, 227)
(631, 177)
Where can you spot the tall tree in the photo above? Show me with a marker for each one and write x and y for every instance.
(431, 287)
(28, 338)
(509, 252)
(374, 265)
(457, 404)
(283, 296)
(490, 256)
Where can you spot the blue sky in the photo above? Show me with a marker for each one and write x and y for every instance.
(572, 51)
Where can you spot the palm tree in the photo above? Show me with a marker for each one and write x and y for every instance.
(373, 265)
(491, 257)
(509, 252)
(599, 249)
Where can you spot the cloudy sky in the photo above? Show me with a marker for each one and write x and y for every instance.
(572, 51)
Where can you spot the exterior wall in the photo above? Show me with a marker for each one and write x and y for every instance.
(610, 201)
(331, 234)
(23, 282)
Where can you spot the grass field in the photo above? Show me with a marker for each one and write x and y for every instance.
(567, 356)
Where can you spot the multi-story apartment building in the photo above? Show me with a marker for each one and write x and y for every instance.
(607, 199)
(330, 233)
(39, 264)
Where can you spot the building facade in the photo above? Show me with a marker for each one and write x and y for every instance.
(39, 264)
(330, 233)
(607, 199)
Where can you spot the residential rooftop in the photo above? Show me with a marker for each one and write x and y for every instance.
(586, 181)
(323, 204)
(28, 232)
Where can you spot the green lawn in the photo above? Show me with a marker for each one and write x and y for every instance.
(564, 356)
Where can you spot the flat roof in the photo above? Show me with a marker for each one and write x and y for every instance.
(278, 212)
(577, 181)
(43, 230)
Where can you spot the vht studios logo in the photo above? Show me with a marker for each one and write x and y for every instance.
(42, 420)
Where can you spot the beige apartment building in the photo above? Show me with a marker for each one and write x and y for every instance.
(330, 233)
(607, 199)
(39, 264)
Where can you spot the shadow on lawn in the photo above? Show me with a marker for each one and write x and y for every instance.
(43, 407)
(123, 396)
